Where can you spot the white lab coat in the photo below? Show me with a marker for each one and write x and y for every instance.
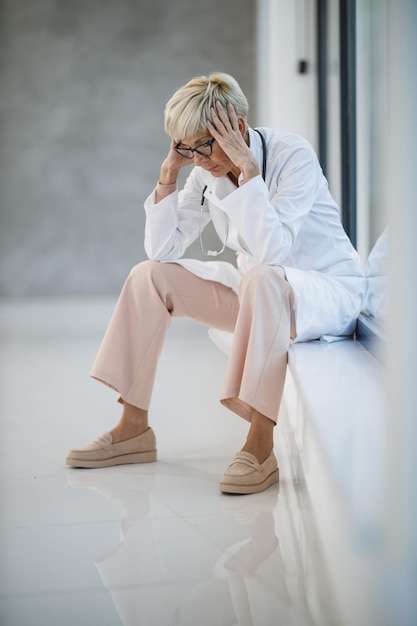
(290, 220)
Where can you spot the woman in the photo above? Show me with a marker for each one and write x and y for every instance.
(297, 277)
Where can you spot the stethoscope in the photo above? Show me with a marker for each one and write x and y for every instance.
(200, 233)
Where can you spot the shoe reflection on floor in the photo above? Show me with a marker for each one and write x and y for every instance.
(172, 569)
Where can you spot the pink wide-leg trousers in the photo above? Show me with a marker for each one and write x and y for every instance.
(260, 317)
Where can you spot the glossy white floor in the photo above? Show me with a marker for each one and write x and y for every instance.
(139, 545)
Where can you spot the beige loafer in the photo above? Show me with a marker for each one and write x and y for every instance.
(246, 475)
(104, 453)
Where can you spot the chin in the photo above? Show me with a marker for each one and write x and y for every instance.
(217, 173)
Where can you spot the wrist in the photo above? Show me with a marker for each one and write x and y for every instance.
(249, 169)
(164, 184)
(168, 176)
(248, 174)
(163, 191)
(167, 180)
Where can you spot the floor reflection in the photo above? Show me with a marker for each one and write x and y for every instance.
(219, 568)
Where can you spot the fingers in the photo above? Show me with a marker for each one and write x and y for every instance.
(223, 119)
(228, 116)
(174, 160)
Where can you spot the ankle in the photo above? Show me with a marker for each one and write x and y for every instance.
(134, 422)
(260, 449)
(122, 433)
(260, 439)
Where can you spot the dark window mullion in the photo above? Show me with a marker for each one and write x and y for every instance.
(347, 12)
(322, 64)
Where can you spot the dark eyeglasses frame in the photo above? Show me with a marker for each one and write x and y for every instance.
(209, 143)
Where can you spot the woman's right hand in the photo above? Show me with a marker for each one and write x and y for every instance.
(172, 165)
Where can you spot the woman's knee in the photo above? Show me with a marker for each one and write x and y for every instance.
(264, 275)
(266, 283)
(141, 274)
(156, 275)
(144, 268)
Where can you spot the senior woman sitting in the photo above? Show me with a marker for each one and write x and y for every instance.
(297, 278)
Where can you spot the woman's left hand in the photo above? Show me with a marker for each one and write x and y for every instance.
(228, 130)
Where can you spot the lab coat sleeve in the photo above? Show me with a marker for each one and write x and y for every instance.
(269, 220)
(173, 223)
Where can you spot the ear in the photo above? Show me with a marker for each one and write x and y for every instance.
(242, 124)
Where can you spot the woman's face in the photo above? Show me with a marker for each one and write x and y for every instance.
(218, 163)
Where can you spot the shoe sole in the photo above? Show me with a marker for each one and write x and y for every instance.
(248, 489)
(123, 459)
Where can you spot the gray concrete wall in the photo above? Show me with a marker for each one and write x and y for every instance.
(83, 87)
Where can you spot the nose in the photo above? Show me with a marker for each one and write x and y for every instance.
(199, 158)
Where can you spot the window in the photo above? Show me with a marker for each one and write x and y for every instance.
(352, 88)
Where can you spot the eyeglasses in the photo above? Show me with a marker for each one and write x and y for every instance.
(205, 149)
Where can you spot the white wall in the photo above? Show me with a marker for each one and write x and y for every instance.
(287, 100)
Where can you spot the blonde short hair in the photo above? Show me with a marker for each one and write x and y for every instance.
(187, 111)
